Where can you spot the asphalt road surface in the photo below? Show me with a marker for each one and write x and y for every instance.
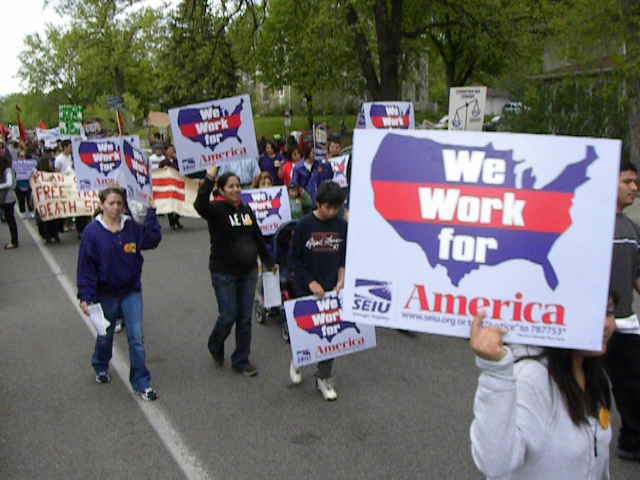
(403, 411)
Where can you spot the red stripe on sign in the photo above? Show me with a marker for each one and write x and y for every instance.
(168, 182)
(214, 125)
(169, 194)
(542, 211)
(398, 122)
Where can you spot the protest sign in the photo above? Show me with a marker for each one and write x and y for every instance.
(97, 162)
(270, 205)
(173, 192)
(70, 118)
(213, 132)
(24, 167)
(49, 136)
(518, 225)
(56, 195)
(320, 141)
(339, 165)
(386, 115)
(136, 174)
(317, 331)
(466, 108)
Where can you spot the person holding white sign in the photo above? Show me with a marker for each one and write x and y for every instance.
(236, 242)
(545, 415)
(109, 272)
(318, 256)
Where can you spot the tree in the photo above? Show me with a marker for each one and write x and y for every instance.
(106, 48)
(196, 62)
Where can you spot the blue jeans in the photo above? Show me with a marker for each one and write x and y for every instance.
(128, 307)
(234, 294)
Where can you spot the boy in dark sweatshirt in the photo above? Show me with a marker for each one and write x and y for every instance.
(318, 256)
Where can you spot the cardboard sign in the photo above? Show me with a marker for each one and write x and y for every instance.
(56, 195)
(518, 225)
(386, 115)
(213, 132)
(466, 108)
(97, 162)
(318, 332)
(270, 205)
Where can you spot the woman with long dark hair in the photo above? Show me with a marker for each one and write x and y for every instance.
(545, 415)
(8, 199)
(109, 272)
(236, 243)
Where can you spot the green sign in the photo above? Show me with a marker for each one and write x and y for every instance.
(70, 117)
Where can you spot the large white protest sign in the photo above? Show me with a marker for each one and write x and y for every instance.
(444, 224)
(136, 174)
(466, 108)
(97, 162)
(317, 331)
(270, 205)
(213, 132)
(386, 115)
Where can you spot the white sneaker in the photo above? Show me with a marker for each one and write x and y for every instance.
(295, 374)
(325, 385)
(118, 328)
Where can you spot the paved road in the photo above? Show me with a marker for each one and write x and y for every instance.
(403, 412)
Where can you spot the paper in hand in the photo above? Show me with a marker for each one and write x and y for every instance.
(271, 288)
(97, 318)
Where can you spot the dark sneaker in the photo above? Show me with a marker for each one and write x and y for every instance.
(149, 394)
(103, 377)
(247, 370)
(218, 358)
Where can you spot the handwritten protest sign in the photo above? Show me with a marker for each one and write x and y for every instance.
(270, 206)
(519, 225)
(56, 195)
(97, 162)
(318, 332)
(213, 132)
(24, 167)
(136, 173)
(386, 115)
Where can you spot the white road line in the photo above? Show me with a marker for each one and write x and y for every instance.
(191, 466)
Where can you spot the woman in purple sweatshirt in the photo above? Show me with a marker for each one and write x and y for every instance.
(109, 269)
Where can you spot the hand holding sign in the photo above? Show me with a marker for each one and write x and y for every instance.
(486, 342)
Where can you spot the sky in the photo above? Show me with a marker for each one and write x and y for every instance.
(19, 18)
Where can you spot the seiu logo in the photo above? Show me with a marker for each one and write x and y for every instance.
(303, 355)
(372, 296)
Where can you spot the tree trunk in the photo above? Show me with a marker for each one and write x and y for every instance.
(363, 52)
(631, 12)
(309, 107)
(389, 37)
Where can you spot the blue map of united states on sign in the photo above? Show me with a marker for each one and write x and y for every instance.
(462, 205)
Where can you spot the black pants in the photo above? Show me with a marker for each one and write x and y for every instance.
(24, 200)
(8, 211)
(174, 219)
(623, 366)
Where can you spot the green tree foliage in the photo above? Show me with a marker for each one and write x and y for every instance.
(106, 47)
(303, 44)
(196, 62)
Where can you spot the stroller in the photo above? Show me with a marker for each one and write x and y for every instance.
(281, 253)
